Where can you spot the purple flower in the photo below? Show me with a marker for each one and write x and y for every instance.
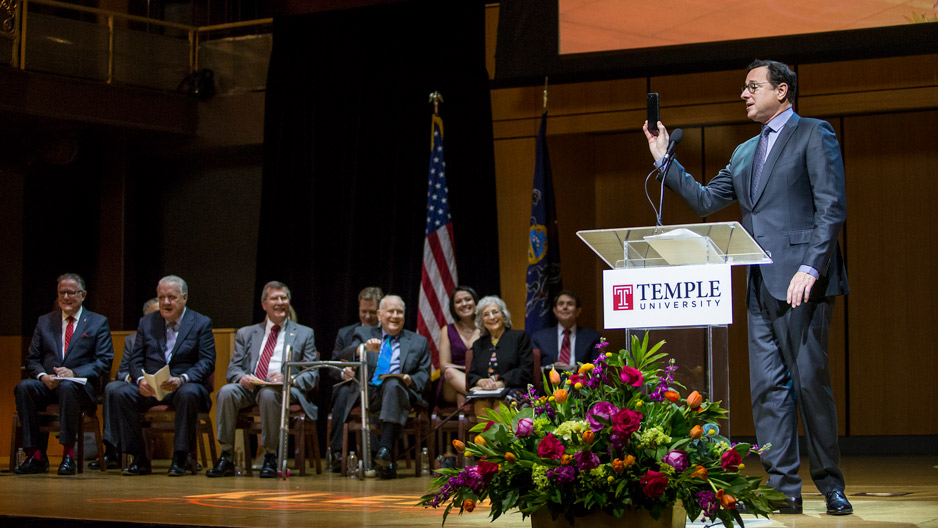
(708, 503)
(604, 410)
(525, 428)
(677, 459)
(586, 460)
(562, 474)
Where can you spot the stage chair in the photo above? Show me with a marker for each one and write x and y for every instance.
(161, 419)
(417, 425)
(49, 423)
(301, 428)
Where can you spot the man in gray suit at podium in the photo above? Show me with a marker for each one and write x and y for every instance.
(789, 182)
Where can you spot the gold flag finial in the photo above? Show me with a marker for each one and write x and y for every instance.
(436, 98)
(545, 93)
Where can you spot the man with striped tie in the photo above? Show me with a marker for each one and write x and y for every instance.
(255, 375)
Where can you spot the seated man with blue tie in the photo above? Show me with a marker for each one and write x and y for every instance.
(400, 362)
(183, 339)
(255, 377)
(566, 344)
(70, 342)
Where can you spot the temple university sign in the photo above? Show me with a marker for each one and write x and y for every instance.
(668, 296)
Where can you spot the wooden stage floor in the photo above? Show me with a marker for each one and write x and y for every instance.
(892, 492)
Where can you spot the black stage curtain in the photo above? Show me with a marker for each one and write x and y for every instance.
(346, 155)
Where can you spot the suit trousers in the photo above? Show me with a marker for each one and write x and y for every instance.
(392, 398)
(788, 375)
(233, 397)
(32, 396)
(189, 400)
(112, 427)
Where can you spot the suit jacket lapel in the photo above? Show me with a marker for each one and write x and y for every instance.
(254, 350)
(746, 153)
(80, 326)
(57, 331)
(184, 326)
(776, 153)
(289, 338)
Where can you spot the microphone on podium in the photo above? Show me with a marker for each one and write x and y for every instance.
(675, 138)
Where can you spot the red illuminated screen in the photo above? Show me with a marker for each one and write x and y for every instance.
(607, 25)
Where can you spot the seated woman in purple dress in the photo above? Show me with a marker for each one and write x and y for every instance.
(454, 342)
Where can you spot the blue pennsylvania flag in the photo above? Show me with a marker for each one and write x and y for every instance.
(543, 280)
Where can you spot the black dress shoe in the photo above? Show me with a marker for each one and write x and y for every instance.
(110, 462)
(32, 466)
(68, 466)
(385, 473)
(336, 465)
(790, 506)
(269, 470)
(224, 467)
(140, 466)
(383, 458)
(837, 503)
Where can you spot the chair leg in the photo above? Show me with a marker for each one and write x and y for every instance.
(13, 431)
(80, 447)
(345, 433)
(299, 438)
(99, 443)
(246, 437)
(312, 439)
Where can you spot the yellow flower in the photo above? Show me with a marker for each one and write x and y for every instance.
(578, 386)
(629, 460)
(639, 403)
(611, 479)
(510, 458)
(586, 367)
(742, 466)
(479, 440)
(608, 354)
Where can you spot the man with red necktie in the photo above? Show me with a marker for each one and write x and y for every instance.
(70, 342)
(567, 343)
(258, 358)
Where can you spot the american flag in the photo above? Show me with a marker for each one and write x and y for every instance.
(438, 277)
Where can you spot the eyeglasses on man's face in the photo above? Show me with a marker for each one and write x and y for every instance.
(753, 86)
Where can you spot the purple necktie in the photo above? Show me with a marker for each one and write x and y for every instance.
(758, 161)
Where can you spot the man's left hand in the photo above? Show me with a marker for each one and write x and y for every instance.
(275, 377)
(171, 384)
(800, 288)
(407, 380)
(64, 372)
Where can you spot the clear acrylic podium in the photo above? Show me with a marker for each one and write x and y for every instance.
(700, 350)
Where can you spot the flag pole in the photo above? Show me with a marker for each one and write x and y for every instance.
(436, 98)
(545, 93)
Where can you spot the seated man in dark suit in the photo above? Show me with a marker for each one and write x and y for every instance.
(566, 344)
(183, 339)
(368, 300)
(111, 424)
(258, 357)
(70, 342)
(389, 350)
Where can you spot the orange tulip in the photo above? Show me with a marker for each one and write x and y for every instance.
(479, 440)
(629, 460)
(554, 377)
(618, 466)
(694, 400)
(672, 396)
(560, 396)
(727, 501)
(700, 472)
(510, 458)
(459, 446)
(469, 505)
(588, 437)
(696, 432)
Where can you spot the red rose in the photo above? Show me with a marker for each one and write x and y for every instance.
(487, 470)
(632, 376)
(730, 460)
(550, 447)
(625, 422)
(653, 484)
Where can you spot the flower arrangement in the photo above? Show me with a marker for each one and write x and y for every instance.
(615, 435)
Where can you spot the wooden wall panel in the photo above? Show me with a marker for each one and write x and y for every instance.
(11, 348)
(892, 245)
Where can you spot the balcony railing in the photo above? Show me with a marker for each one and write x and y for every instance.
(66, 39)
